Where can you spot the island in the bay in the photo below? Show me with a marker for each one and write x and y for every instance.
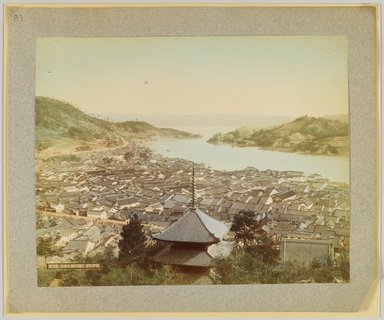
(311, 135)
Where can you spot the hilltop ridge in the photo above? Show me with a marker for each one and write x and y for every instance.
(58, 121)
(305, 135)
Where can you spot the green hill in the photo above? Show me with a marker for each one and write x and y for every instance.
(304, 134)
(57, 120)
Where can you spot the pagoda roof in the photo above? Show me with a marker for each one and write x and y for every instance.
(180, 257)
(194, 227)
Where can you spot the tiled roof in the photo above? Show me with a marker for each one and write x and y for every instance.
(238, 206)
(126, 201)
(216, 202)
(195, 226)
(76, 245)
(181, 198)
(285, 194)
(180, 257)
(206, 201)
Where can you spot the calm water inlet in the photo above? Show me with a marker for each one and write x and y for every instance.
(227, 157)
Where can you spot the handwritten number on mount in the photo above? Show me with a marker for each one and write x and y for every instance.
(17, 18)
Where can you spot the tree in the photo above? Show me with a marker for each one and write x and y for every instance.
(248, 231)
(323, 269)
(165, 275)
(266, 248)
(132, 245)
(78, 277)
(46, 246)
(242, 267)
(244, 226)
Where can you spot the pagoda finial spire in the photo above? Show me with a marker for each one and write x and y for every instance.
(193, 186)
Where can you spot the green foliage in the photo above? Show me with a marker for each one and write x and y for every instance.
(55, 120)
(266, 249)
(244, 266)
(43, 144)
(263, 138)
(77, 133)
(243, 219)
(291, 272)
(81, 277)
(241, 267)
(45, 277)
(112, 273)
(308, 146)
(136, 126)
(132, 245)
(216, 138)
(170, 132)
(258, 261)
(114, 276)
(331, 149)
(322, 268)
(342, 265)
(248, 266)
(244, 226)
(165, 275)
(308, 135)
(46, 246)
(285, 140)
(122, 277)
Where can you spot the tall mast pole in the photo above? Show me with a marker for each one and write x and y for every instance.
(193, 186)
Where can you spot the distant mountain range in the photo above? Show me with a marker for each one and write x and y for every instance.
(208, 120)
(304, 134)
(56, 120)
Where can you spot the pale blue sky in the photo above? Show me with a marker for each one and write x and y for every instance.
(288, 76)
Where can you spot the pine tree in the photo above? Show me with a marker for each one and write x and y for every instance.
(132, 245)
(244, 226)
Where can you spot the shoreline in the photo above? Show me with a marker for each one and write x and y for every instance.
(237, 145)
(138, 146)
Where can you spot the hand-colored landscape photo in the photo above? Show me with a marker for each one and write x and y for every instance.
(192, 160)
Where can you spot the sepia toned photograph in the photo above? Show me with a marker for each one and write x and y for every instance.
(180, 160)
(195, 160)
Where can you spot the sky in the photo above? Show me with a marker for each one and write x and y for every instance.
(257, 75)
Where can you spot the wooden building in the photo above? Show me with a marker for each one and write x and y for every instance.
(186, 241)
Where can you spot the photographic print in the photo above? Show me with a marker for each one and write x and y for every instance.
(185, 160)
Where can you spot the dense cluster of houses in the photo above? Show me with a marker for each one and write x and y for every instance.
(97, 194)
(78, 237)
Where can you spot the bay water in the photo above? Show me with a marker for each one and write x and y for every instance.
(228, 157)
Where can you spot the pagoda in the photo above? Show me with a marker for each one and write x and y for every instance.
(194, 242)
